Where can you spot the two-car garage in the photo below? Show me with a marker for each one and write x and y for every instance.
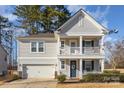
(39, 71)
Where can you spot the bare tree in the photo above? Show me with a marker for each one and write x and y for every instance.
(115, 53)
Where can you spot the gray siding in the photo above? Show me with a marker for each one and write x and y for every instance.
(73, 28)
(50, 49)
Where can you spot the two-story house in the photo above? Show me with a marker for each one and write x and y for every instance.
(74, 49)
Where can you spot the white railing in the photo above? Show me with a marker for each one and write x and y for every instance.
(76, 50)
(91, 50)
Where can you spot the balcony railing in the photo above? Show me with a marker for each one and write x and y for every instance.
(76, 50)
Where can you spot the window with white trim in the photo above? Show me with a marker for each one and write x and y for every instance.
(62, 44)
(37, 47)
(88, 43)
(62, 64)
(41, 47)
(33, 46)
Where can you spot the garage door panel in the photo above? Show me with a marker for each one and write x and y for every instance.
(43, 71)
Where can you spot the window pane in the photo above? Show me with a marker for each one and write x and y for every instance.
(41, 47)
(62, 44)
(88, 65)
(62, 64)
(33, 46)
(88, 43)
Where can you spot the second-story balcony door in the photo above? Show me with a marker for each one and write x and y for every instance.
(73, 47)
(88, 46)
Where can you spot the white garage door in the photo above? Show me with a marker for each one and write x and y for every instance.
(45, 71)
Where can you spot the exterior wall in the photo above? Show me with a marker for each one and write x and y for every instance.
(73, 27)
(25, 57)
(3, 63)
(50, 48)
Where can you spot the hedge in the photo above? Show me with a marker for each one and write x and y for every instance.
(111, 72)
(103, 78)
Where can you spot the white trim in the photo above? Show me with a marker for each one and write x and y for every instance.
(37, 57)
(87, 40)
(80, 42)
(80, 69)
(87, 60)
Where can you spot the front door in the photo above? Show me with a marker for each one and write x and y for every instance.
(72, 68)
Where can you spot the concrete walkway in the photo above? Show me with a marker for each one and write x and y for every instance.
(31, 83)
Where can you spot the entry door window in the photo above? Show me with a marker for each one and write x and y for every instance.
(88, 65)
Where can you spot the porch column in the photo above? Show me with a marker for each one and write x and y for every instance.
(102, 46)
(80, 44)
(80, 71)
(102, 65)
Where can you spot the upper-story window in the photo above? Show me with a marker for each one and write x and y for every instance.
(33, 46)
(37, 47)
(89, 43)
(41, 46)
(62, 44)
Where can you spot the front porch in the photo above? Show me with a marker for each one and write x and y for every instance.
(76, 68)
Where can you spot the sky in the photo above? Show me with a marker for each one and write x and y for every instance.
(111, 17)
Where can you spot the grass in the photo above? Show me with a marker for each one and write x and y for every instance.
(91, 85)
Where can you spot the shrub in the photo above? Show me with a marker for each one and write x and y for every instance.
(121, 77)
(15, 77)
(111, 72)
(12, 78)
(103, 78)
(92, 78)
(61, 78)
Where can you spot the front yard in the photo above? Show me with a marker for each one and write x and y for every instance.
(53, 84)
(91, 85)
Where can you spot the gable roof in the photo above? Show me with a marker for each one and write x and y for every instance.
(90, 17)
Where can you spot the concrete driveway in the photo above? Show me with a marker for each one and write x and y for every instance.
(31, 83)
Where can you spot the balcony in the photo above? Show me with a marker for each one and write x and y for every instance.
(76, 50)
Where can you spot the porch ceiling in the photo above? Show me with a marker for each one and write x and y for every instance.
(81, 57)
(83, 36)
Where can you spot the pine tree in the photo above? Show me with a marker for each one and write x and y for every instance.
(4, 23)
(37, 18)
